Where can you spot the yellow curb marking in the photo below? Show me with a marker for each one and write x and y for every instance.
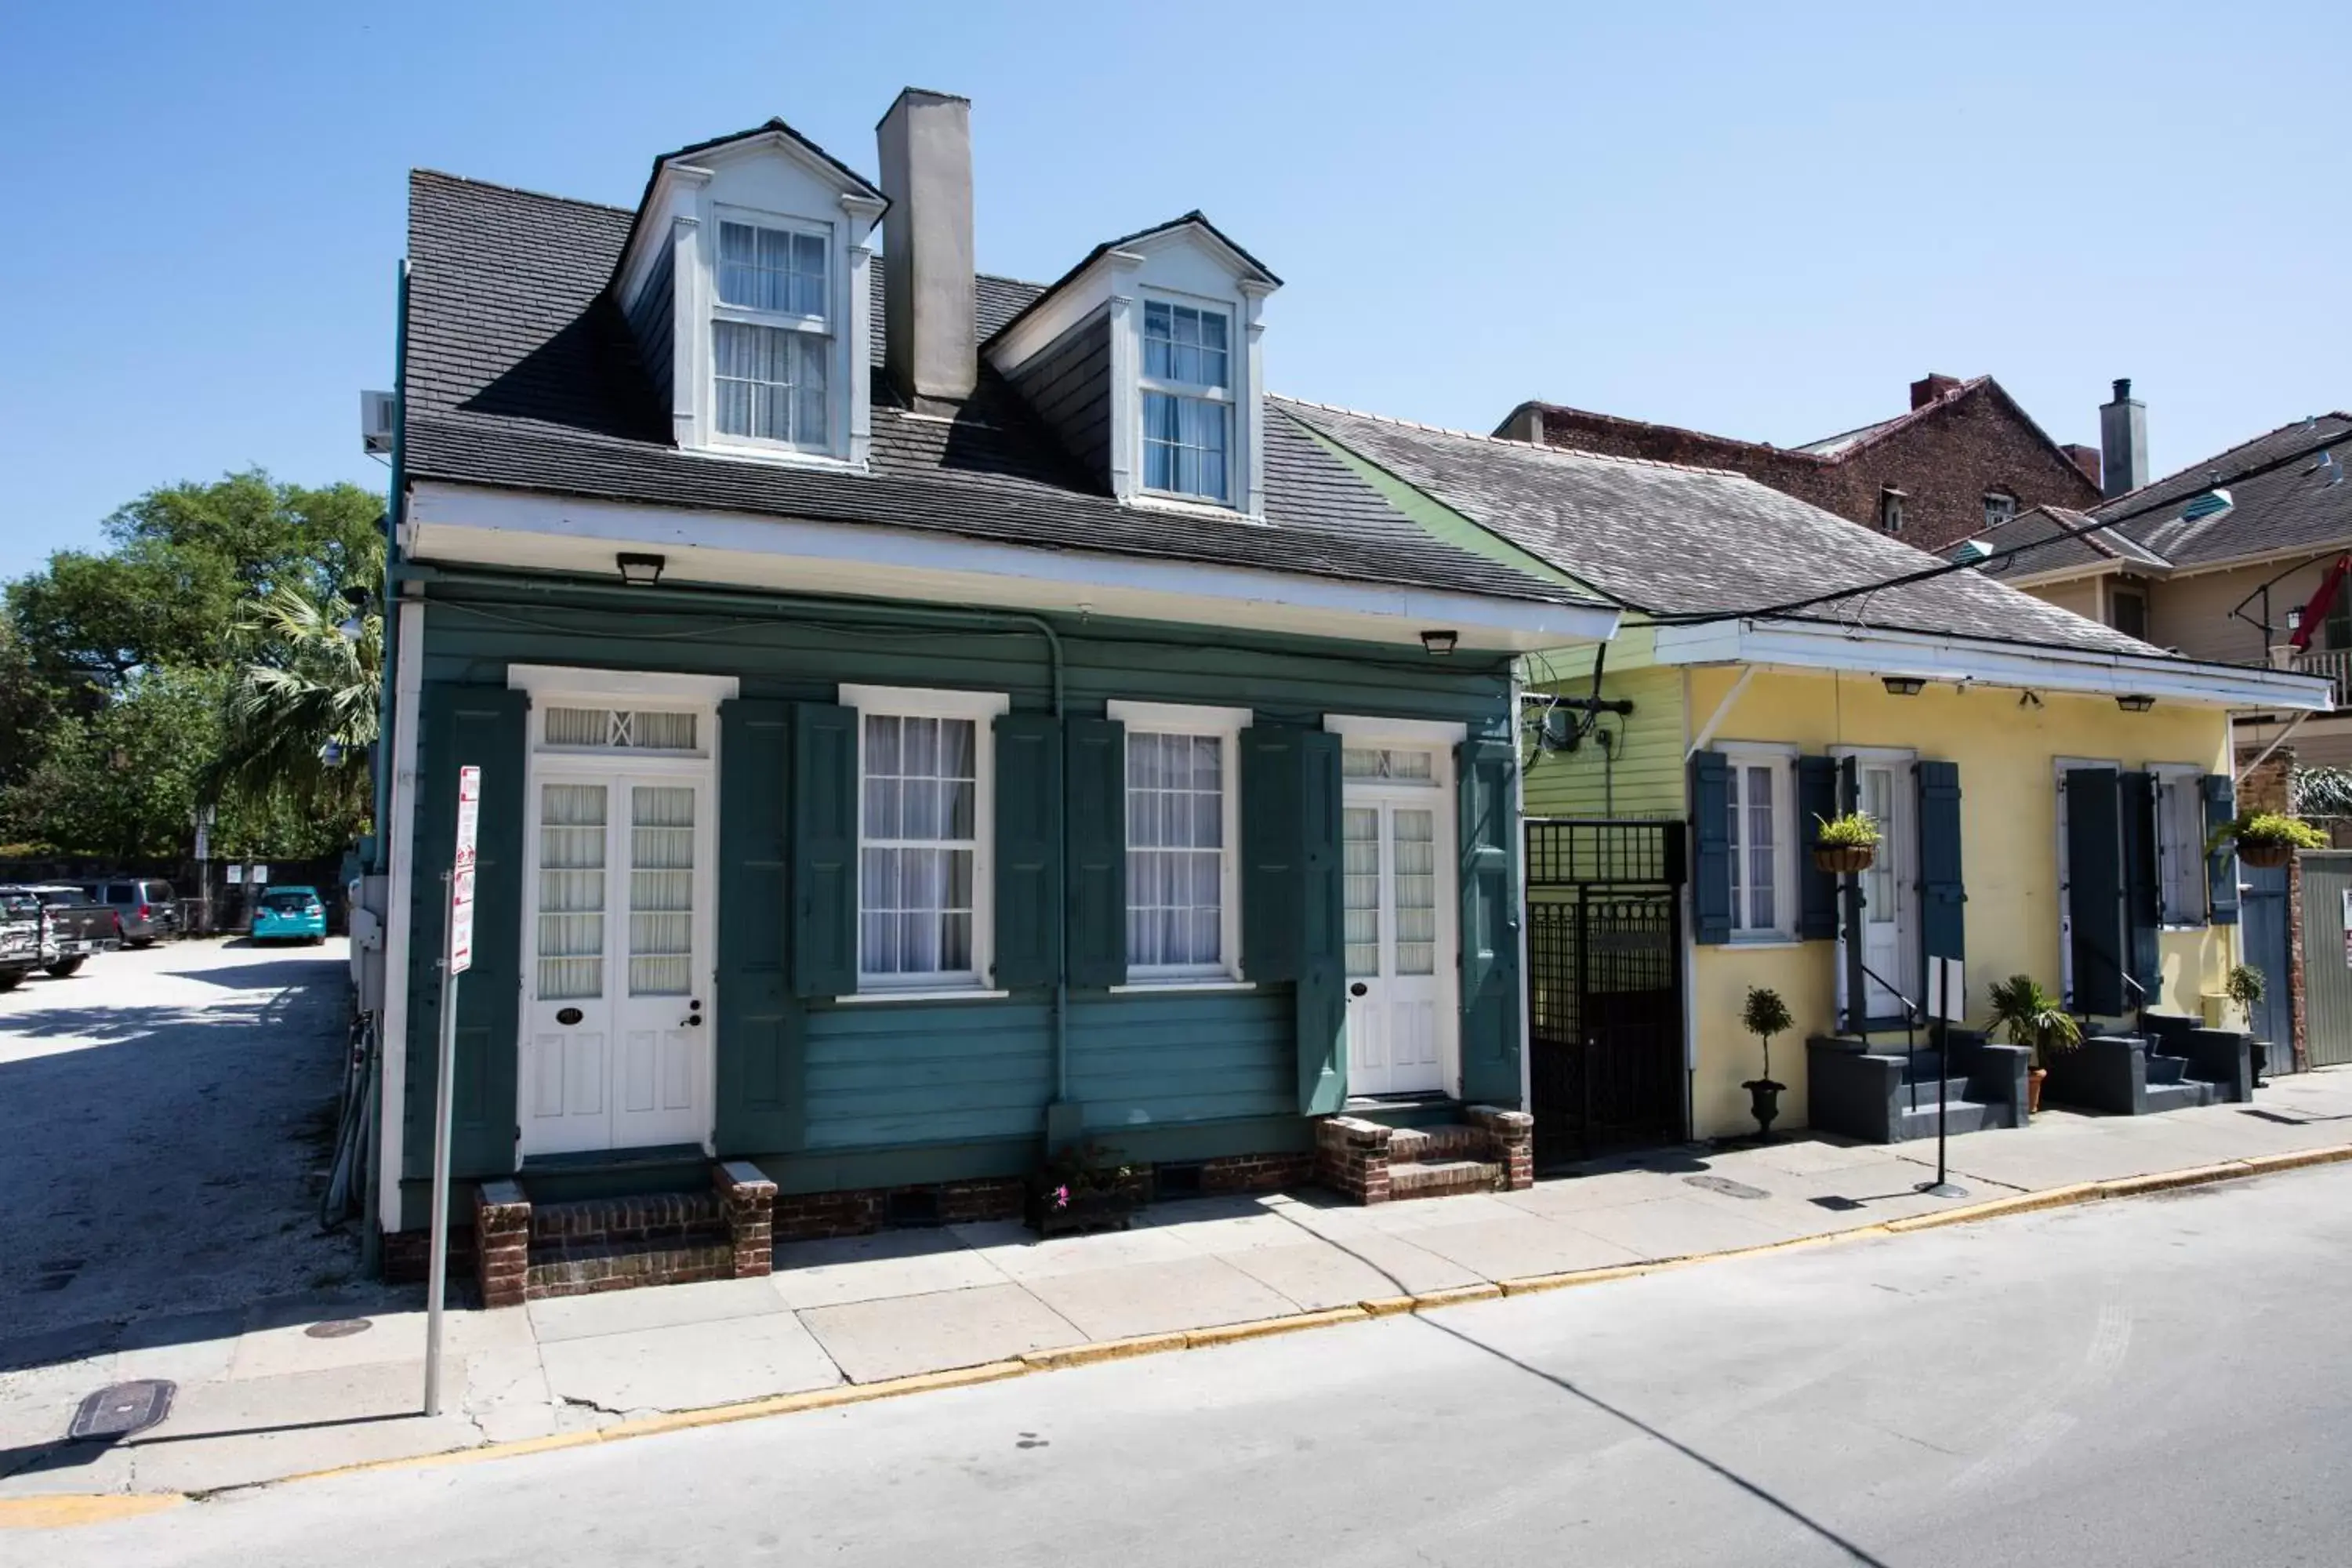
(69, 1509)
(1103, 1350)
(1265, 1328)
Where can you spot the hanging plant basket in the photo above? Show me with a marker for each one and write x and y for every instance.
(2267, 854)
(1845, 859)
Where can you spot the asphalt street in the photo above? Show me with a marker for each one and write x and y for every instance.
(2146, 1382)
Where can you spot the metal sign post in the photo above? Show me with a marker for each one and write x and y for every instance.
(1947, 1005)
(457, 957)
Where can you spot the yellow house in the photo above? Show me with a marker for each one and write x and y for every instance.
(2044, 784)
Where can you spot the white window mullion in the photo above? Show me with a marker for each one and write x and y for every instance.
(925, 762)
(1182, 825)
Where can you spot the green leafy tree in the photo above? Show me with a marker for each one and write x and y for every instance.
(301, 714)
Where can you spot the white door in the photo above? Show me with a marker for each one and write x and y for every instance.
(1890, 938)
(616, 1037)
(1397, 856)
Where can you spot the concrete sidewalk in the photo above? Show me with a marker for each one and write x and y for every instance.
(285, 1388)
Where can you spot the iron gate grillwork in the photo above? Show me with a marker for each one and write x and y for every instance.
(1604, 984)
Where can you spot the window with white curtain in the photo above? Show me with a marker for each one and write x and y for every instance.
(1187, 400)
(1763, 832)
(572, 836)
(1182, 915)
(661, 889)
(923, 846)
(772, 337)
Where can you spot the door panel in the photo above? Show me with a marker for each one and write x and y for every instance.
(1397, 1023)
(1890, 934)
(567, 1066)
(661, 1102)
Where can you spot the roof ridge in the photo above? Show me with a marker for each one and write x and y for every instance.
(419, 170)
(1543, 448)
(2222, 479)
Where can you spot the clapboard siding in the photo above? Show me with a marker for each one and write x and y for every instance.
(1644, 778)
(652, 316)
(1068, 383)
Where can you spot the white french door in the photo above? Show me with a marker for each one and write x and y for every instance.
(1890, 911)
(617, 1004)
(1400, 877)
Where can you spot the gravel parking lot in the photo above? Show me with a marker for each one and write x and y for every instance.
(164, 1116)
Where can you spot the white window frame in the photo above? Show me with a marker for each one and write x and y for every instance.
(981, 709)
(1890, 509)
(2005, 500)
(831, 328)
(2178, 793)
(1224, 724)
(1741, 755)
(1236, 371)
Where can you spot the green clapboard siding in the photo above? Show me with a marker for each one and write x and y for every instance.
(1639, 775)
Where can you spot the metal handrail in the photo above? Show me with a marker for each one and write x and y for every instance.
(1912, 1016)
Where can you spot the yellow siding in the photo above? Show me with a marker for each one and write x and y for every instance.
(2009, 830)
(2192, 614)
(2086, 596)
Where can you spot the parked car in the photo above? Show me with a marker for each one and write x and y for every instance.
(290, 914)
(73, 927)
(20, 936)
(148, 907)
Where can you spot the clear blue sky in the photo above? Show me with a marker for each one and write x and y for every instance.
(1759, 220)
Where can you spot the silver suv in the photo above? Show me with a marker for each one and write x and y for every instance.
(149, 908)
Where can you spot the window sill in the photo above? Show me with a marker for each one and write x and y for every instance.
(943, 994)
(1763, 943)
(779, 456)
(1139, 987)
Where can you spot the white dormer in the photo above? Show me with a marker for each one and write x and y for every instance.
(746, 283)
(1147, 360)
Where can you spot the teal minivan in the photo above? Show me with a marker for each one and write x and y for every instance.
(290, 914)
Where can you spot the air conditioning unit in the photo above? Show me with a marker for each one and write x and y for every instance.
(379, 412)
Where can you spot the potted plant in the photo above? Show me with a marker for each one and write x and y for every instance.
(1846, 843)
(2244, 986)
(2269, 838)
(1082, 1188)
(2033, 1017)
(1764, 1016)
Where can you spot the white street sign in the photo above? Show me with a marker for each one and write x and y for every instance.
(461, 876)
(1947, 989)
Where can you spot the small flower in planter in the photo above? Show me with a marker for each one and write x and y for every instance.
(1846, 843)
(1083, 1187)
(2268, 837)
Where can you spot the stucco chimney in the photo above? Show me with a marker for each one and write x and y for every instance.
(931, 344)
(2123, 442)
(1931, 386)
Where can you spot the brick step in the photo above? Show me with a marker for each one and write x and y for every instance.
(637, 1217)
(1964, 1116)
(1442, 1178)
(586, 1268)
(1450, 1142)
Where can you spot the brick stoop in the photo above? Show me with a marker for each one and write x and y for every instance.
(1491, 1150)
(531, 1252)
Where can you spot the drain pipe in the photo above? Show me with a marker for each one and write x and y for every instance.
(769, 604)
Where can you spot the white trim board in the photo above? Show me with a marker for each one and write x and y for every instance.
(1407, 732)
(462, 524)
(564, 680)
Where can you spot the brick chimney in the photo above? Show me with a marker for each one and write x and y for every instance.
(2123, 442)
(1932, 386)
(2085, 458)
(931, 343)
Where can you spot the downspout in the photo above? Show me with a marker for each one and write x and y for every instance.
(850, 609)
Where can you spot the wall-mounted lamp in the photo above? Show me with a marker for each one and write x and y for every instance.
(2137, 702)
(1440, 643)
(1903, 685)
(640, 570)
(2295, 619)
(2029, 700)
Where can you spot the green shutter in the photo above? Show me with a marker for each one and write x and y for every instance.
(1850, 903)
(2143, 891)
(1272, 832)
(1097, 894)
(760, 1053)
(1028, 848)
(1817, 890)
(1488, 828)
(2094, 891)
(825, 849)
(1943, 885)
(484, 727)
(1322, 989)
(2221, 860)
(1710, 790)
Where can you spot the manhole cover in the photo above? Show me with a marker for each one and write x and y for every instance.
(122, 1408)
(339, 1328)
(1727, 1186)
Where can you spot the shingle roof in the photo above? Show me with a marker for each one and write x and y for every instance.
(521, 373)
(1674, 540)
(2055, 538)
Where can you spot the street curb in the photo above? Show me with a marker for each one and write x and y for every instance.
(67, 1509)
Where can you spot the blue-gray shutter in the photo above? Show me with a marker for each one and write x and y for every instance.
(2094, 891)
(1097, 808)
(1028, 848)
(1710, 793)
(1488, 799)
(1272, 843)
(1850, 902)
(2143, 889)
(1817, 890)
(1943, 888)
(825, 849)
(1321, 1002)
(2221, 860)
(488, 728)
(759, 1052)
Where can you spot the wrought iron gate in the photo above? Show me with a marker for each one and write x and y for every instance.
(1604, 984)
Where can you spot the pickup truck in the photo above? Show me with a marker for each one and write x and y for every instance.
(20, 936)
(73, 926)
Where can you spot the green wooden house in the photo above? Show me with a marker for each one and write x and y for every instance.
(925, 719)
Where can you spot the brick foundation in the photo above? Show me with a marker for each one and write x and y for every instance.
(1256, 1173)
(750, 1200)
(1351, 1158)
(1510, 1139)
(812, 1216)
(1369, 1163)
(406, 1251)
(502, 1243)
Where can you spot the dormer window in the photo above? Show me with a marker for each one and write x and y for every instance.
(1187, 401)
(772, 333)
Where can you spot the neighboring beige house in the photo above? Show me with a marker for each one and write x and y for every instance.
(2218, 562)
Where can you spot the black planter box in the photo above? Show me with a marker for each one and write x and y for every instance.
(1084, 1211)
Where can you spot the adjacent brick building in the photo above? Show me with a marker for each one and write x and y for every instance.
(1965, 457)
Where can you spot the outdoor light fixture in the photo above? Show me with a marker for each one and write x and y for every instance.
(354, 627)
(2137, 702)
(641, 571)
(1440, 643)
(1903, 685)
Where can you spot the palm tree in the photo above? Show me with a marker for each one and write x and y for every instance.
(302, 714)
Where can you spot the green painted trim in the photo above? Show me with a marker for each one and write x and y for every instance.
(1447, 526)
